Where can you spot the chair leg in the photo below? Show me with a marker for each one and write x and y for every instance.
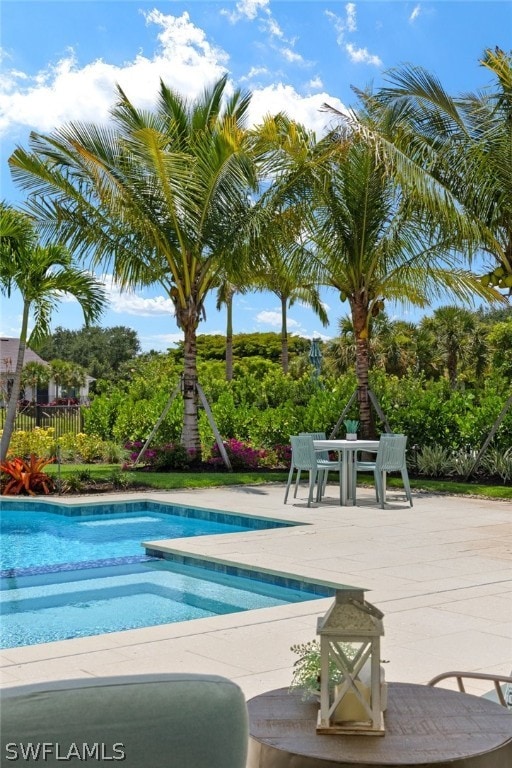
(407, 486)
(290, 475)
(380, 492)
(297, 481)
(312, 480)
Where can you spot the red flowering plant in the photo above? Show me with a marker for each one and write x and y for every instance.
(25, 476)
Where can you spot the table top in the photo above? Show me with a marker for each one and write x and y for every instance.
(353, 445)
(424, 726)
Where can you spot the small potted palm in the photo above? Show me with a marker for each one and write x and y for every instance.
(351, 425)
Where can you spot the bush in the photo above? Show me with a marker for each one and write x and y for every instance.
(434, 461)
(161, 457)
(241, 455)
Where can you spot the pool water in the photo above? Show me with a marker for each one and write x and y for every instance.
(58, 606)
(52, 534)
(76, 571)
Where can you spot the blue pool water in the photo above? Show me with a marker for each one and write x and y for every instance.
(50, 534)
(75, 571)
(63, 605)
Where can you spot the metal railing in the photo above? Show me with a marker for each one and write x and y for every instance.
(497, 680)
(63, 418)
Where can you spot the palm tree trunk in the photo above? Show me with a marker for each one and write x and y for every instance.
(229, 337)
(190, 433)
(360, 323)
(12, 406)
(284, 336)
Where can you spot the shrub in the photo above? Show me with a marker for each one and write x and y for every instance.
(161, 457)
(25, 477)
(434, 461)
(241, 455)
(498, 463)
(38, 441)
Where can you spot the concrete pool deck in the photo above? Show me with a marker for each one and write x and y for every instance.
(441, 572)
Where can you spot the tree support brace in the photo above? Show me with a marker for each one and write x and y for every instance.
(179, 388)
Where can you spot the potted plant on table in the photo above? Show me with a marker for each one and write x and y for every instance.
(351, 425)
(306, 670)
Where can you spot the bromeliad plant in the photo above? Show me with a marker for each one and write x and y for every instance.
(20, 476)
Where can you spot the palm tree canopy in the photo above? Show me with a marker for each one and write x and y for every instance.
(159, 196)
(465, 142)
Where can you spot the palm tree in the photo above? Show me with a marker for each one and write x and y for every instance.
(225, 294)
(376, 240)
(453, 332)
(41, 274)
(33, 375)
(160, 195)
(467, 143)
(289, 279)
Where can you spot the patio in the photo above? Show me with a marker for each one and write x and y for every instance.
(441, 573)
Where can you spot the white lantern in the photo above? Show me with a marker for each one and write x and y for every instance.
(350, 632)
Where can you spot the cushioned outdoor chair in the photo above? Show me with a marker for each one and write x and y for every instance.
(390, 458)
(305, 458)
(143, 721)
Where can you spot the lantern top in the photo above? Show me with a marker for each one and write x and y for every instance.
(349, 615)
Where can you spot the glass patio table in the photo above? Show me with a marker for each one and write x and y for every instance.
(346, 450)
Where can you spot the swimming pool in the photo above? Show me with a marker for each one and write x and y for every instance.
(64, 605)
(41, 534)
(75, 571)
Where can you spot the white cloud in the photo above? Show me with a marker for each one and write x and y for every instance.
(246, 9)
(185, 60)
(132, 303)
(415, 13)
(292, 56)
(303, 109)
(255, 72)
(160, 341)
(267, 317)
(351, 17)
(315, 83)
(362, 55)
(357, 55)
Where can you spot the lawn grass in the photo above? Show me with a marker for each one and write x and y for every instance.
(164, 481)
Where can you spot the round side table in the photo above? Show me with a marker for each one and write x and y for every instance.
(425, 726)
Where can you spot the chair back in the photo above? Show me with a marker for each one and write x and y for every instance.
(391, 453)
(303, 452)
(322, 455)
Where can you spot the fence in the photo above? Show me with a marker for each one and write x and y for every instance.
(63, 418)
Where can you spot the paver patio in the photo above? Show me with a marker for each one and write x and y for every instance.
(441, 572)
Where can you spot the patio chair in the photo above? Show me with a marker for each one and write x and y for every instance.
(305, 458)
(390, 458)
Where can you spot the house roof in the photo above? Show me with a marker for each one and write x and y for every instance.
(9, 355)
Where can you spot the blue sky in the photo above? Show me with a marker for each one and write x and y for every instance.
(61, 60)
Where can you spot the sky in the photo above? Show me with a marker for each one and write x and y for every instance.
(61, 61)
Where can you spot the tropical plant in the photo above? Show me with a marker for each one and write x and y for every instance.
(467, 144)
(453, 331)
(25, 476)
(41, 274)
(34, 375)
(434, 461)
(161, 196)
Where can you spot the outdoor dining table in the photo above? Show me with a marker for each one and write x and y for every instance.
(346, 450)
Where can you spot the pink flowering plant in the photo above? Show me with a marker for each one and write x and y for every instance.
(241, 455)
